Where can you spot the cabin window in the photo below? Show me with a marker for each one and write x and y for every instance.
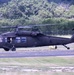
(5, 39)
(23, 39)
(18, 39)
(0, 39)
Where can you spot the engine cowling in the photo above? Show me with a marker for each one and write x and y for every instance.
(26, 33)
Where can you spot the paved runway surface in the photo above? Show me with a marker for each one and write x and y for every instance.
(36, 53)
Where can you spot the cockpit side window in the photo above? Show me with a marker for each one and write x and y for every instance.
(5, 39)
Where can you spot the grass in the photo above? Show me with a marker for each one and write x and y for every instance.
(38, 61)
(36, 73)
(43, 63)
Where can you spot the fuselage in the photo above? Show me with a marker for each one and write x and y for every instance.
(33, 41)
(18, 39)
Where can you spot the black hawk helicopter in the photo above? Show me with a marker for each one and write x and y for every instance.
(18, 39)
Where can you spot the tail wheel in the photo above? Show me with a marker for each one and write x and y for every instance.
(55, 47)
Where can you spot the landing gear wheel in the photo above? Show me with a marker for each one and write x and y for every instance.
(6, 48)
(68, 48)
(55, 47)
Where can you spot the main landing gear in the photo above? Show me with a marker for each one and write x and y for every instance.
(9, 47)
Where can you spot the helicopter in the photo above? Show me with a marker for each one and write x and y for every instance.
(19, 38)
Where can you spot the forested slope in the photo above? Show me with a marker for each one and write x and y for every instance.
(22, 12)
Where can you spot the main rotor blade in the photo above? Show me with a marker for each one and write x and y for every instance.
(41, 25)
(24, 27)
(28, 26)
(15, 26)
(8, 27)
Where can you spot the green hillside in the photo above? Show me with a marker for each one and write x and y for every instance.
(22, 12)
